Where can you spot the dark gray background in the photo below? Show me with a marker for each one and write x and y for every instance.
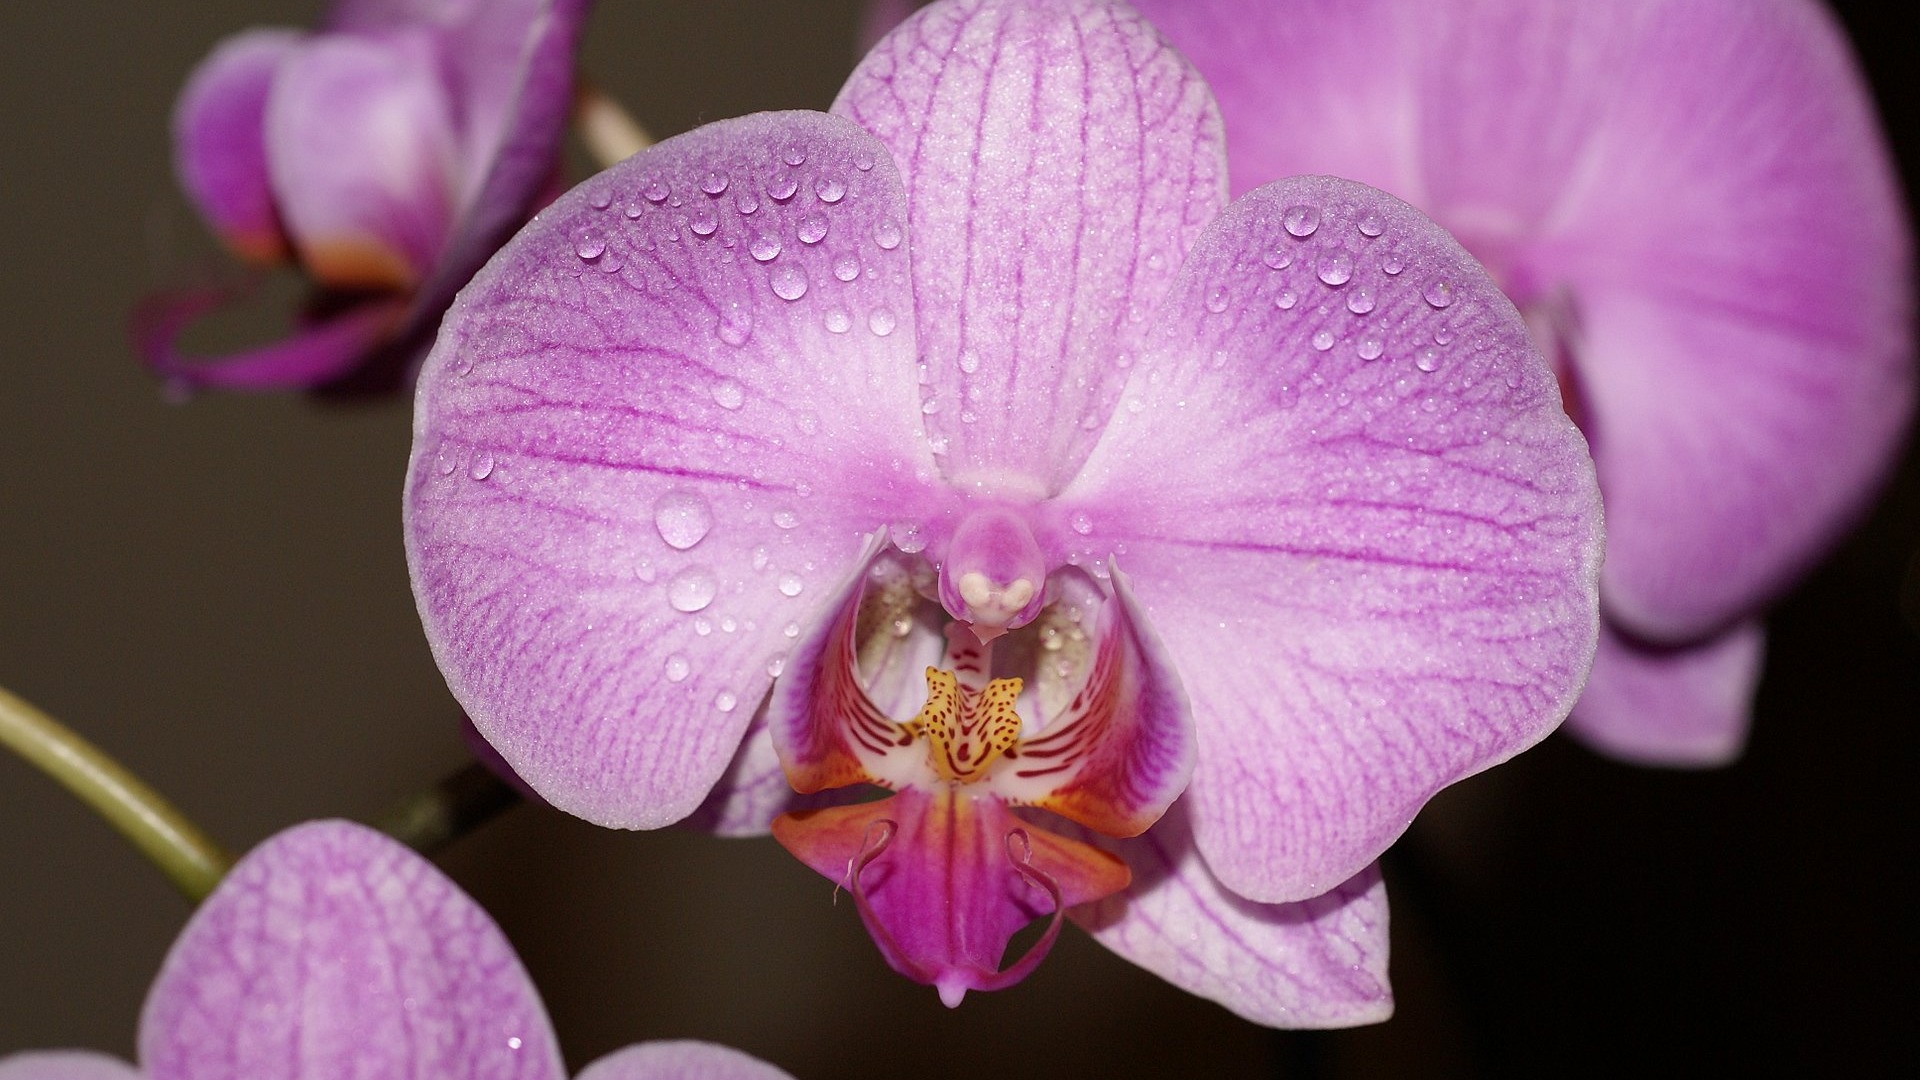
(215, 593)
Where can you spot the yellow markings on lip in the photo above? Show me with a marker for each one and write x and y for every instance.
(966, 730)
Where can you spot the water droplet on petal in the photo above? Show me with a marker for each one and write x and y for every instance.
(745, 201)
(683, 518)
(1443, 336)
(776, 665)
(715, 183)
(725, 701)
(482, 465)
(1336, 267)
(794, 154)
(677, 668)
(1301, 220)
(760, 558)
(589, 243)
(1428, 360)
(880, 321)
(1438, 292)
(1081, 523)
(1369, 347)
(813, 228)
(789, 282)
(728, 394)
(1322, 340)
(831, 189)
(446, 460)
(1278, 258)
(781, 188)
(791, 630)
(907, 537)
(1391, 265)
(764, 248)
(1370, 225)
(1286, 300)
(969, 361)
(704, 221)
(838, 321)
(887, 234)
(863, 161)
(600, 198)
(1360, 301)
(846, 266)
(1217, 299)
(655, 190)
(790, 584)
(691, 590)
(786, 519)
(736, 325)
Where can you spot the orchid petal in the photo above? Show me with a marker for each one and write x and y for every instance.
(1705, 179)
(319, 353)
(360, 143)
(1375, 576)
(65, 1065)
(218, 141)
(332, 951)
(1665, 705)
(680, 1059)
(1318, 963)
(1060, 160)
(648, 441)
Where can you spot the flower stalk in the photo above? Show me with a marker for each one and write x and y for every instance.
(610, 132)
(430, 820)
(193, 861)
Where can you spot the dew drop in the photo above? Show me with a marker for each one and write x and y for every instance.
(789, 282)
(704, 221)
(600, 198)
(715, 183)
(838, 321)
(1217, 299)
(1301, 220)
(589, 243)
(846, 267)
(969, 361)
(777, 664)
(760, 558)
(764, 248)
(677, 668)
(683, 518)
(907, 537)
(655, 190)
(880, 321)
(1081, 523)
(446, 460)
(785, 519)
(830, 189)
(1277, 258)
(1391, 265)
(794, 154)
(725, 701)
(791, 630)
(1336, 268)
(702, 627)
(1360, 301)
(790, 584)
(1438, 292)
(735, 327)
(1370, 225)
(781, 188)
(813, 228)
(745, 201)
(1323, 340)
(728, 394)
(887, 234)
(1369, 347)
(1286, 300)
(1428, 360)
(1443, 336)
(481, 466)
(691, 590)
(863, 161)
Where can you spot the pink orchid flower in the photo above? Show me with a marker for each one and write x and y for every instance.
(330, 951)
(1160, 556)
(1693, 206)
(387, 154)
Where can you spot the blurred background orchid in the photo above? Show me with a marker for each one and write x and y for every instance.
(255, 654)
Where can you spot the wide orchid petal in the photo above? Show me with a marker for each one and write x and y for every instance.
(1374, 561)
(65, 1065)
(1314, 964)
(219, 147)
(332, 951)
(680, 1059)
(647, 444)
(1671, 705)
(1706, 184)
(1060, 160)
(316, 354)
(360, 143)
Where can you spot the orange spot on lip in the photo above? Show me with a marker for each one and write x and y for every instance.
(358, 262)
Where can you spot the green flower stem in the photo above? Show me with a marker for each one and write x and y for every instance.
(189, 858)
(436, 817)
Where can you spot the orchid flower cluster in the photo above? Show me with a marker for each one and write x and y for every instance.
(1114, 466)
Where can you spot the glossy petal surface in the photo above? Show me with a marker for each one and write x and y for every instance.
(1060, 159)
(1318, 963)
(1704, 178)
(65, 1065)
(1374, 575)
(219, 140)
(683, 1059)
(651, 436)
(1671, 705)
(330, 951)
